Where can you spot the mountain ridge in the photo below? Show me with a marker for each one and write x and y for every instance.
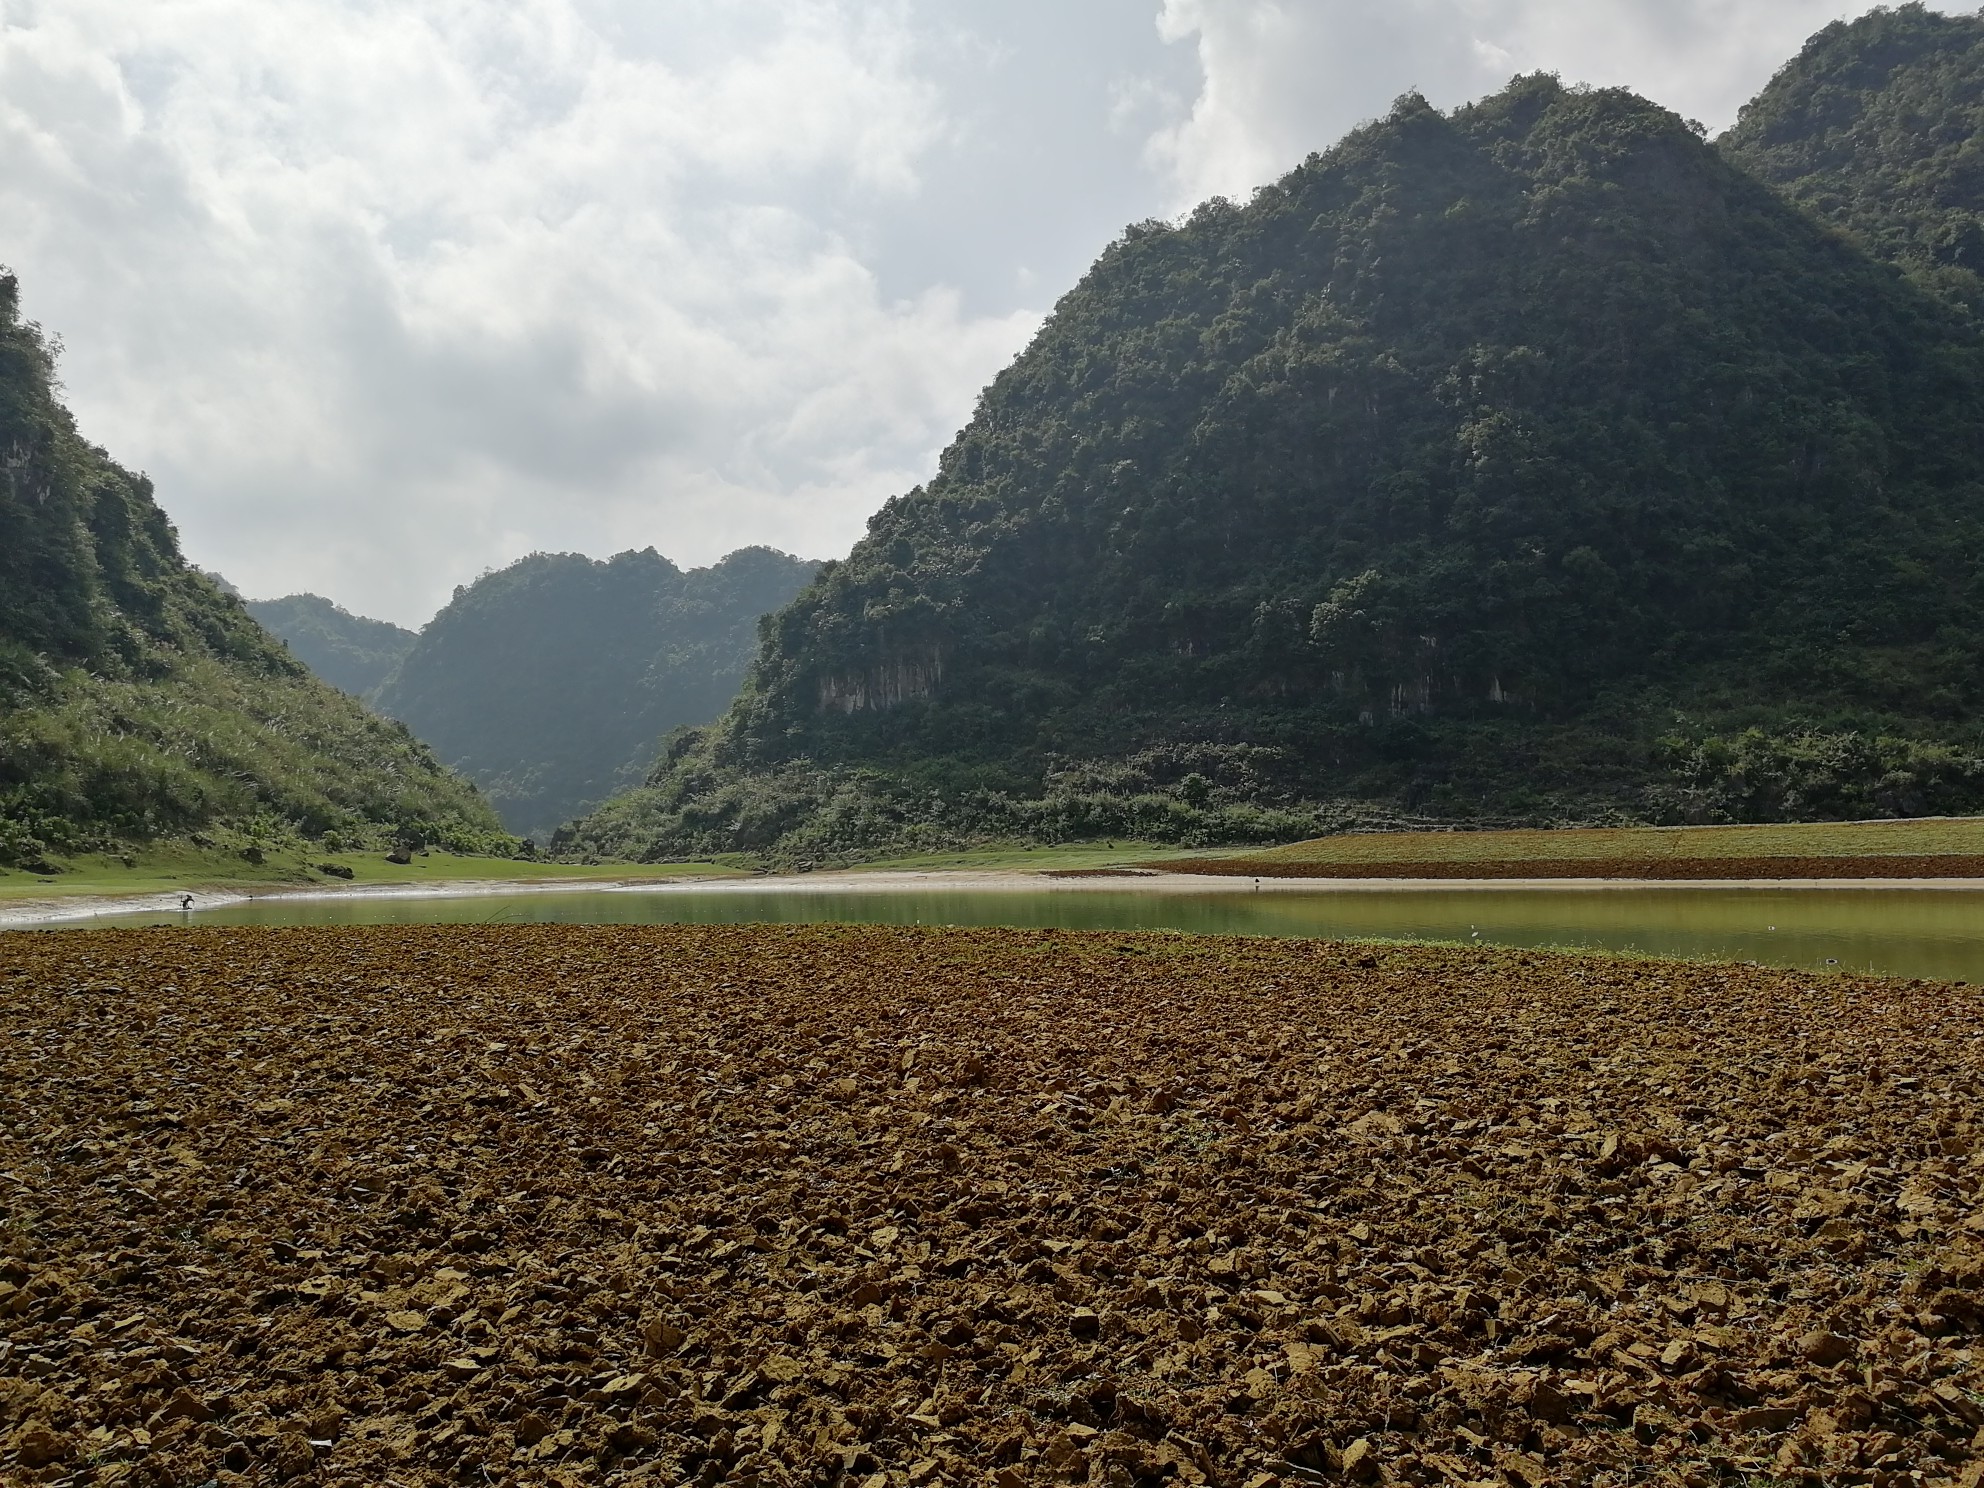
(553, 681)
(353, 653)
(1877, 128)
(1531, 462)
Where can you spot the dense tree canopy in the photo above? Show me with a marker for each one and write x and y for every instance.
(348, 651)
(1878, 128)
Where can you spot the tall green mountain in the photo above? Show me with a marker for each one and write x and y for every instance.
(1877, 127)
(552, 682)
(1530, 462)
(348, 651)
(137, 700)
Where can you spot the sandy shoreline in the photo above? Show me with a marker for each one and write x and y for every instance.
(81, 909)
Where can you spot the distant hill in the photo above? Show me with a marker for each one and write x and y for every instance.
(552, 682)
(348, 651)
(1528, 463)
(139, 701)
(1877, 127)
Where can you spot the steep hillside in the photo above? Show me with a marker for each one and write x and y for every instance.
(348, 651)
(552, 682)
(1531, 463)
(137, 700)
(1878, 128)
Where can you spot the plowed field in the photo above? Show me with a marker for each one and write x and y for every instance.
(898, 1207)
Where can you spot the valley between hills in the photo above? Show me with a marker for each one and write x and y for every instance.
(1538, 490)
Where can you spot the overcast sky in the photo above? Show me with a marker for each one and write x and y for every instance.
(384, 293)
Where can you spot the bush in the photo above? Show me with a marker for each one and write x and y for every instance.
(1757, 776)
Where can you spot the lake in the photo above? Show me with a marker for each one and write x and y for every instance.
(1903, 932)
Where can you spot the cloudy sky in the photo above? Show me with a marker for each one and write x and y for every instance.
(384, 293)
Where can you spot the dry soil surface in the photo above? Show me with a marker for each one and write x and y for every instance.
(895, 1207)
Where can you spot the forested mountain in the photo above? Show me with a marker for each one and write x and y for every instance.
(137, 700)
(348, 651)
(552, 682)
(1878, 128)
(1530, 462)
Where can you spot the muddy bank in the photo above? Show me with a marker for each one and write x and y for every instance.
(807, 1205)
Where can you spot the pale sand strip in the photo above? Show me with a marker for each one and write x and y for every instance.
(81, 909)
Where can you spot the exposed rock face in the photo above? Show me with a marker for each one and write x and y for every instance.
(887, 685)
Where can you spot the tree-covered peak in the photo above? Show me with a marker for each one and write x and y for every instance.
(1877, 127)
(1446, 471)
(551, 682)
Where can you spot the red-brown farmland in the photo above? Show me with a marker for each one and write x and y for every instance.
(891, 1207)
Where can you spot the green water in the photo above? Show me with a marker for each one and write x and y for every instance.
(1937, 933)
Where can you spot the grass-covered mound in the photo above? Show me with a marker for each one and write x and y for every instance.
(137, 700)
(854, 1206)
(1531, 462)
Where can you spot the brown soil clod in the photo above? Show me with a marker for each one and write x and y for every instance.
(854, 1206)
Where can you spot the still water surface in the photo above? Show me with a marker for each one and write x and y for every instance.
(1914, 932)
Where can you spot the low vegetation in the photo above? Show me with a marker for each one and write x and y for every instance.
(174, 868)
(1935, 848)
(569, 1205)
(802, 812)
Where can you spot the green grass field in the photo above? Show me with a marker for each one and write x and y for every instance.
(1933, 837)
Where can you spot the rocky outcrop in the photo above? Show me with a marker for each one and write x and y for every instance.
(887, 684)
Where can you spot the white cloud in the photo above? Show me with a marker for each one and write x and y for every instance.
(1285, 77)
(385, 294)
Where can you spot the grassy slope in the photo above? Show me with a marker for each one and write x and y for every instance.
(1938, 836)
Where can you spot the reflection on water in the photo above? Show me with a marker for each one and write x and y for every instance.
(1897, 932)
